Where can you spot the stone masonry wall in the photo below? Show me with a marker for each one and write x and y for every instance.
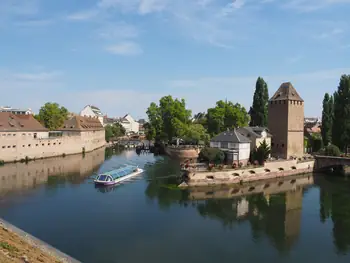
(15, 146)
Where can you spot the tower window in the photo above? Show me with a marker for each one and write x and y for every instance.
(282, 145)
(272, 144)
(284, 102)
(277, 145)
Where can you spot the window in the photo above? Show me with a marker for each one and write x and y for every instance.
(282, 145)
(9, 134)
(48, 144)
(23, 145)
(43, 144)
(272, 144)
(3, 147)
(8, 146)
(29, 145)
(14, 134)
(37, 145)
(59, 143)
(35, 135)
(4, 135)
(277, 145)
(54, 143)
(23, 134)
(14, 146)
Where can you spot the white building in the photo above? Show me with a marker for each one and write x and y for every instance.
(16, 111)
(92, 111)
(130, 124)
(235, 145)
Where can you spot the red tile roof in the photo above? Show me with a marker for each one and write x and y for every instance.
(82, 123)
(19, 122)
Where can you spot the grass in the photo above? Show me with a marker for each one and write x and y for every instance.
(8, 247)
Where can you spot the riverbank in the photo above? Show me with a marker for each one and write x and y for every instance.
(183, 152)
(18, 246)
(283, 168)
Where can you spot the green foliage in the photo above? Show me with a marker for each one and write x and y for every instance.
(52, 116)
(200, 118)
(212, 155)
(8, 247)
(262, 153)
(226, 115)
(259, 110)
(196, 133)
(327, 119)
(113, 131)
(341, 121)
(317, 144)
(331, 150)
(2, 162)
(168, 119)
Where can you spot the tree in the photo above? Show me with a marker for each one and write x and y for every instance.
(113, 131)
(196, 133)
(341, 121)
(226, 115)
(200, 118)
(259, 110)
(52, 116)
(332, 150)
(169, 119)
(327, 119)
(262, 153)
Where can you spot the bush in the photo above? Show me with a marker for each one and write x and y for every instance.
(2, 162)
(332, 150)
(212, 155)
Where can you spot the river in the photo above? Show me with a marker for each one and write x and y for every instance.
(147, 220)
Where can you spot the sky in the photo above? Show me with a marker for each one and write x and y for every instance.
(121, 55)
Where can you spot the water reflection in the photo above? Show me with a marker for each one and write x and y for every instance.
(19, 177)
(335, 205)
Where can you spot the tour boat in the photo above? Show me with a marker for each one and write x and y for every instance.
(117, 175)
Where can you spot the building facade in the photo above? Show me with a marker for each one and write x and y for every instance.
(286, 122)
(22, 136)
(257, 135)
(130, 124)
(16, 111)
(235, 145)
(92, 111)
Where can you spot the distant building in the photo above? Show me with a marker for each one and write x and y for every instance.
(130, 124)
(141, 127)
(286, 122)
(92, 111)
(234, 144)
(257, 135)
(109, 121)
(16, 111)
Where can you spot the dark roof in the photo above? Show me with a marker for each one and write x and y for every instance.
(286, 92)
(80, 123)
(255, 130)
(19, 122)
(230, 136)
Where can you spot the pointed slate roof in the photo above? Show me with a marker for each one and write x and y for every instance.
(230, 136)
(286, 92)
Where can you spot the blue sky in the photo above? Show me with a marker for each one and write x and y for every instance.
(122, 54)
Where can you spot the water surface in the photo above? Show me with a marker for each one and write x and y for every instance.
(147, 220)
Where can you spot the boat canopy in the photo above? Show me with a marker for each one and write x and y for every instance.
(117, 173)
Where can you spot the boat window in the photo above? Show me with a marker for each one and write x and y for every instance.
(102, 177)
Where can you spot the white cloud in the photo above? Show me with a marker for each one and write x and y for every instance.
(118, 30)
(39, 77)
(126, 48)
(311, 5)
(83, 15)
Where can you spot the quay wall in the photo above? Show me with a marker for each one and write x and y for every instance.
(20, 177)
(15, 146)
(37, 243)
(182, 153)
(270, 170)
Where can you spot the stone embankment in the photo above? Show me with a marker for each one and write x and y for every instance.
(18, 246)
(270, 170)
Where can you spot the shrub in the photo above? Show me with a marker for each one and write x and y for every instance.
(212, 155)
(63, 155)
(234, 165)
(332, 150)
(2, 162)
(261, 154)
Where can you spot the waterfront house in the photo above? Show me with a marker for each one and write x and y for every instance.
(257, 135)
(130, 124)
(92, 111)
(235, 145)
(109, 121)
(87, 132)
(23, 137)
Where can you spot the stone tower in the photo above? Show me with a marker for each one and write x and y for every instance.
(286, 122)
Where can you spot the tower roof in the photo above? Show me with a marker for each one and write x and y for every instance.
(286, 92)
